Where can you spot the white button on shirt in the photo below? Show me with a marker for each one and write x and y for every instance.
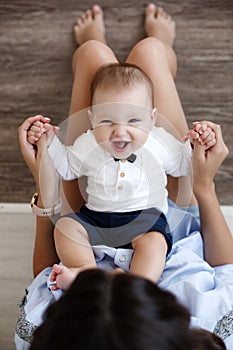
(122, 258)
(123, 186)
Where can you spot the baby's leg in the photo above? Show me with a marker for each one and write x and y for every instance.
(74, 250)
(149, 256)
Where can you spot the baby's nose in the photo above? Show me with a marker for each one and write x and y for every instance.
(119, 129)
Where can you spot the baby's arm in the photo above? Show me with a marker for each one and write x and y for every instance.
(202, 133)
(65, 159)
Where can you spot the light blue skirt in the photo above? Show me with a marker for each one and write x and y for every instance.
(210, 290)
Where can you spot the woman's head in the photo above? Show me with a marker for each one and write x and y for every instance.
(105, 311)
(204, 340)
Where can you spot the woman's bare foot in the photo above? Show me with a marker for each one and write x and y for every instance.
(90, 26)
(159, 24)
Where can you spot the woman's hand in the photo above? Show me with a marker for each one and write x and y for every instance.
(39, 162)
(206, 163)
(31, 154)
(218, 241)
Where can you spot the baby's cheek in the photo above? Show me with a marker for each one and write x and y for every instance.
(101, 135)
(140, 137)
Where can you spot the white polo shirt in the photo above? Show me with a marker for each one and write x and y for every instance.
(120, 186)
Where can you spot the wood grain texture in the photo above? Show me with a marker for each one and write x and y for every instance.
(36, 46)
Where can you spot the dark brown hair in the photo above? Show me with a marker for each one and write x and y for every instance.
(204, 340)
(103, 311)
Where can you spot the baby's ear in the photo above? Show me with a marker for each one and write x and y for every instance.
(90, 115)
(154, 116)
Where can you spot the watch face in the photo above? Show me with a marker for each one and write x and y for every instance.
(34, 199)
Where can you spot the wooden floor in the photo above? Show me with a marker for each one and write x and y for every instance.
(16, 248)
(36, 44)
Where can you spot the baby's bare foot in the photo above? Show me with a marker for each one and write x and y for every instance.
(159, 24)
(90, 26)
(61, 277)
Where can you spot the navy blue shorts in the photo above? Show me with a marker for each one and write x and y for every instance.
(118, 229)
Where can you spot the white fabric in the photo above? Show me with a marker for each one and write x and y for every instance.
(20, 343)
(123, 186)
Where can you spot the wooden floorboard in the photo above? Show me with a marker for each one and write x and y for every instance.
(16, 249)
(36, 46)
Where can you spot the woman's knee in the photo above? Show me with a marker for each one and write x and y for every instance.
(92, 50)
(149, 46)
(153, 50)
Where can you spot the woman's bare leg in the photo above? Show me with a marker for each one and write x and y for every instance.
(91, 54)
(157, 58)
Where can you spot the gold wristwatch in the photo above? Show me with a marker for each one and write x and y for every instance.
(44, 211)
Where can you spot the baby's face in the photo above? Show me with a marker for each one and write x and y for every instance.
(122, 120)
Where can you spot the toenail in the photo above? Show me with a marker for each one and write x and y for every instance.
(96, 7)
(151, 6)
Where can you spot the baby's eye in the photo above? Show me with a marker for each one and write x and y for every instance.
(106, 121)
(134, 120)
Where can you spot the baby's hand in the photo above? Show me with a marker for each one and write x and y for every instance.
(203, 134)
(40, 127)
(37, 129)
(35, 132)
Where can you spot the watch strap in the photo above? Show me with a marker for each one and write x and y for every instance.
(44, 211)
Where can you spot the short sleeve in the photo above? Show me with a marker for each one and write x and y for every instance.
(69, 161)
(175, 156)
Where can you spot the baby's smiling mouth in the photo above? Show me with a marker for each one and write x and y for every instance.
(120, 145)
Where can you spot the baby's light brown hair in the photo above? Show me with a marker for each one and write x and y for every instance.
(118, 76)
